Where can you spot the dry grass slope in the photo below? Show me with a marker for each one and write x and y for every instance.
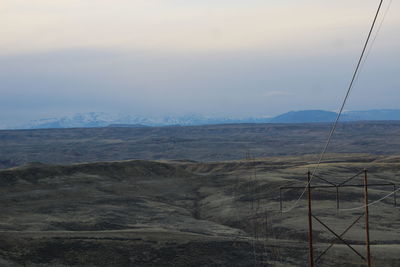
(185, 213)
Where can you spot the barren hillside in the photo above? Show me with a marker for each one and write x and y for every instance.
(185, 213)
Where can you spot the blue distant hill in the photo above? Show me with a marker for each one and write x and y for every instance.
(308, 116)
(374, 115)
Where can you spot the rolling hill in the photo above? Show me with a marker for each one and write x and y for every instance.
(305, 116)
(184, 213)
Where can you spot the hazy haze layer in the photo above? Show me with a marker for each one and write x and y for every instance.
(173, 57)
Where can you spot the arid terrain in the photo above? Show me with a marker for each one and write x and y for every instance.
(200, 143)
(187, 213)
(192, 196)
(199, 133)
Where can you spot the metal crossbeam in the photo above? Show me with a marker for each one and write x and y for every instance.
(328, 184)
(351, 178)
(324, 180)
(339, 237)
(334, 186)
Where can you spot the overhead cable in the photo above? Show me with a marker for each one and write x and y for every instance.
(354, 76)
(372, 203)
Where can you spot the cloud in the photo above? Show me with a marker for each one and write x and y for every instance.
(175, 25)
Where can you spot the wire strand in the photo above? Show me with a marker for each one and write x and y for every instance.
(355, 74)
(372, 203)
(375, 37)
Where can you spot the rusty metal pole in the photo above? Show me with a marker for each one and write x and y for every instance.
(367, 218)
(310, 235)
(337, 198)
(280, 199)
(266, 224)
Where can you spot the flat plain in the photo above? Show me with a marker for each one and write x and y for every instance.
(200, 143)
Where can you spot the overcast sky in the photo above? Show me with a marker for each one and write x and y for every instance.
(214, 57)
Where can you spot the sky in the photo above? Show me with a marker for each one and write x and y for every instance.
(212, 57)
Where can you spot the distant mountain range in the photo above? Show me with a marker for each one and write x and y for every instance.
(101, 119)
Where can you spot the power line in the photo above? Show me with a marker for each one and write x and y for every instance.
(375, 37)
(372, 203)
(355, 73)
(369, 51)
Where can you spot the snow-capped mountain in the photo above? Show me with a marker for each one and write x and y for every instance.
(101, 119)
(90, 119)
